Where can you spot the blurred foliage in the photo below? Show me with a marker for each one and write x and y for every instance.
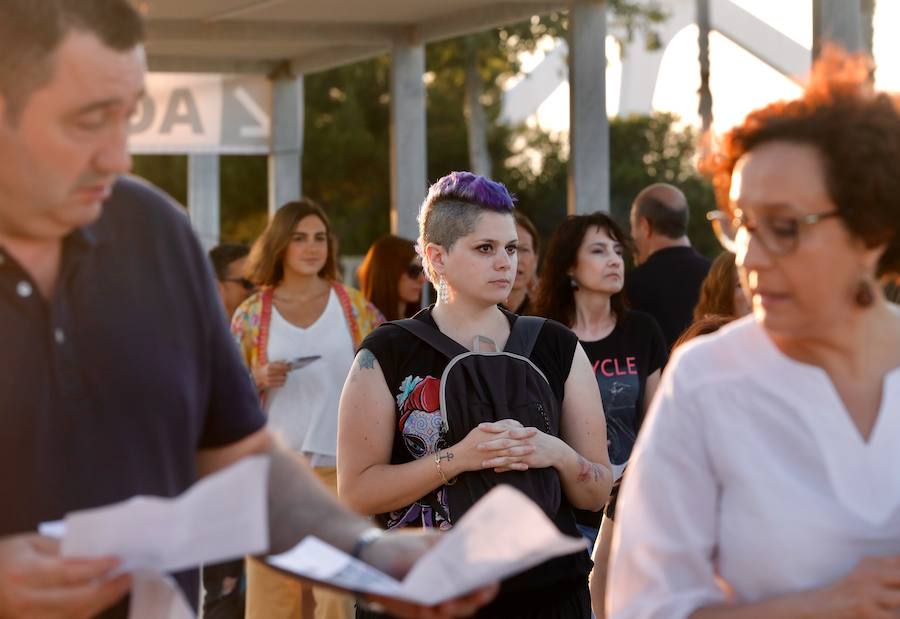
(644, 150)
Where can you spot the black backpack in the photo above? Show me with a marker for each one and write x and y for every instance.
(490, 386)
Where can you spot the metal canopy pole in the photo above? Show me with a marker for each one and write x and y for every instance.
(286, 150)
(589, 125)
(408, 149)
(203, 197)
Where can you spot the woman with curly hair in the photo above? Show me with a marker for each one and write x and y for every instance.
(765, 482)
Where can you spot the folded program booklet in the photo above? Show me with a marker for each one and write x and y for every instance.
(503, 534)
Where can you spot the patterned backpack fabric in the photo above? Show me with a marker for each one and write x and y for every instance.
(481, 386)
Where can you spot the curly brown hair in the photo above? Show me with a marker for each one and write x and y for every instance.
(856, 132)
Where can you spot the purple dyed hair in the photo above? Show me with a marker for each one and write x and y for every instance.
(472, 189)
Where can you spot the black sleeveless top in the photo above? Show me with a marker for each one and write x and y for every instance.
(412, 371)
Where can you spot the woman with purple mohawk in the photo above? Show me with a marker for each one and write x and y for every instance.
(405, 457)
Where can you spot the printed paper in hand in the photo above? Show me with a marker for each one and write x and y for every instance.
(503, 534)
(220, 517)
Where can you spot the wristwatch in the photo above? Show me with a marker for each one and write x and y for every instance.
(364, 539)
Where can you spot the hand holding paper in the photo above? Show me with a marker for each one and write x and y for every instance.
(501, 535)
(220, 517)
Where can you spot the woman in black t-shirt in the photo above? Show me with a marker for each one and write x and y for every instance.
(392, 460)
(581, 287)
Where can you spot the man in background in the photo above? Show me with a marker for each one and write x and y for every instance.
(228, 264)
(666, 282)
(119, 374)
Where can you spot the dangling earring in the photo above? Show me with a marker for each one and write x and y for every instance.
(573, 283)
(443, 290)
(865, 296)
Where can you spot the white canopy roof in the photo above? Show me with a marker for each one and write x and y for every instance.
(263, 36)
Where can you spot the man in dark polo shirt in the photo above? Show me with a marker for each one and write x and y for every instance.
(118, 374)
(666, 282)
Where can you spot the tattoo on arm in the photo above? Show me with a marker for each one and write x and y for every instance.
(589, 471)
(366, 359)
(447, 455)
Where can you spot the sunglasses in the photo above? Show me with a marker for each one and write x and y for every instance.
(414, 270)
(245, 283)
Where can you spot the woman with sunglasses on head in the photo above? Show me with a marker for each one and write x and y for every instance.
(765, 482)
(581, 286)
(391, 277)
(411, 456)
(298, 335)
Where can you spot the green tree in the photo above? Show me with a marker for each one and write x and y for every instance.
(645, 150)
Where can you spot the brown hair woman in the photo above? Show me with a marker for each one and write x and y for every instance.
(298, 335)
(391, 277)
(721, 293)
(581, 286)
(764, 483)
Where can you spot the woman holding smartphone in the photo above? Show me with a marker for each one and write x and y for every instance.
(298, 335)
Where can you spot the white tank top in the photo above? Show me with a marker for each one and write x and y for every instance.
(304, 411)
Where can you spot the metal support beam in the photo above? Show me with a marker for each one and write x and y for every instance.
(306, 33)
(589, 126)
(337, 56)
(457, 23)
(203, 197)
(408, 149)
(286, 151)
(838, 22)
(199, 64)
(760, 39)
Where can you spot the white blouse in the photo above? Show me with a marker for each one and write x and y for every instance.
(304, 411)
(750, 476)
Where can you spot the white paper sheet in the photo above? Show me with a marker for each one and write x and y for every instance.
(221, 517)
(503, 534)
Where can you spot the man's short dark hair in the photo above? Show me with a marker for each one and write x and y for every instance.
(32, 30)
(666, 220)
(223, 255)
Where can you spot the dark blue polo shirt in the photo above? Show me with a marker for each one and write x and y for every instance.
(109, 389)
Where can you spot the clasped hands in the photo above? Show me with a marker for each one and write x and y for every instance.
(507, 445)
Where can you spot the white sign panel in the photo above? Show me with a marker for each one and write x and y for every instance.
(202, 113)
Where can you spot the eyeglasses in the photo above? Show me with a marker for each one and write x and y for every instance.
(779, 234)
(414, 270)
(245, 283)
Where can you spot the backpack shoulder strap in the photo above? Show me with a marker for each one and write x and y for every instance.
(431, 336)
(524, 335)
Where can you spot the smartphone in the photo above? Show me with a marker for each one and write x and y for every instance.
(301, 362)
